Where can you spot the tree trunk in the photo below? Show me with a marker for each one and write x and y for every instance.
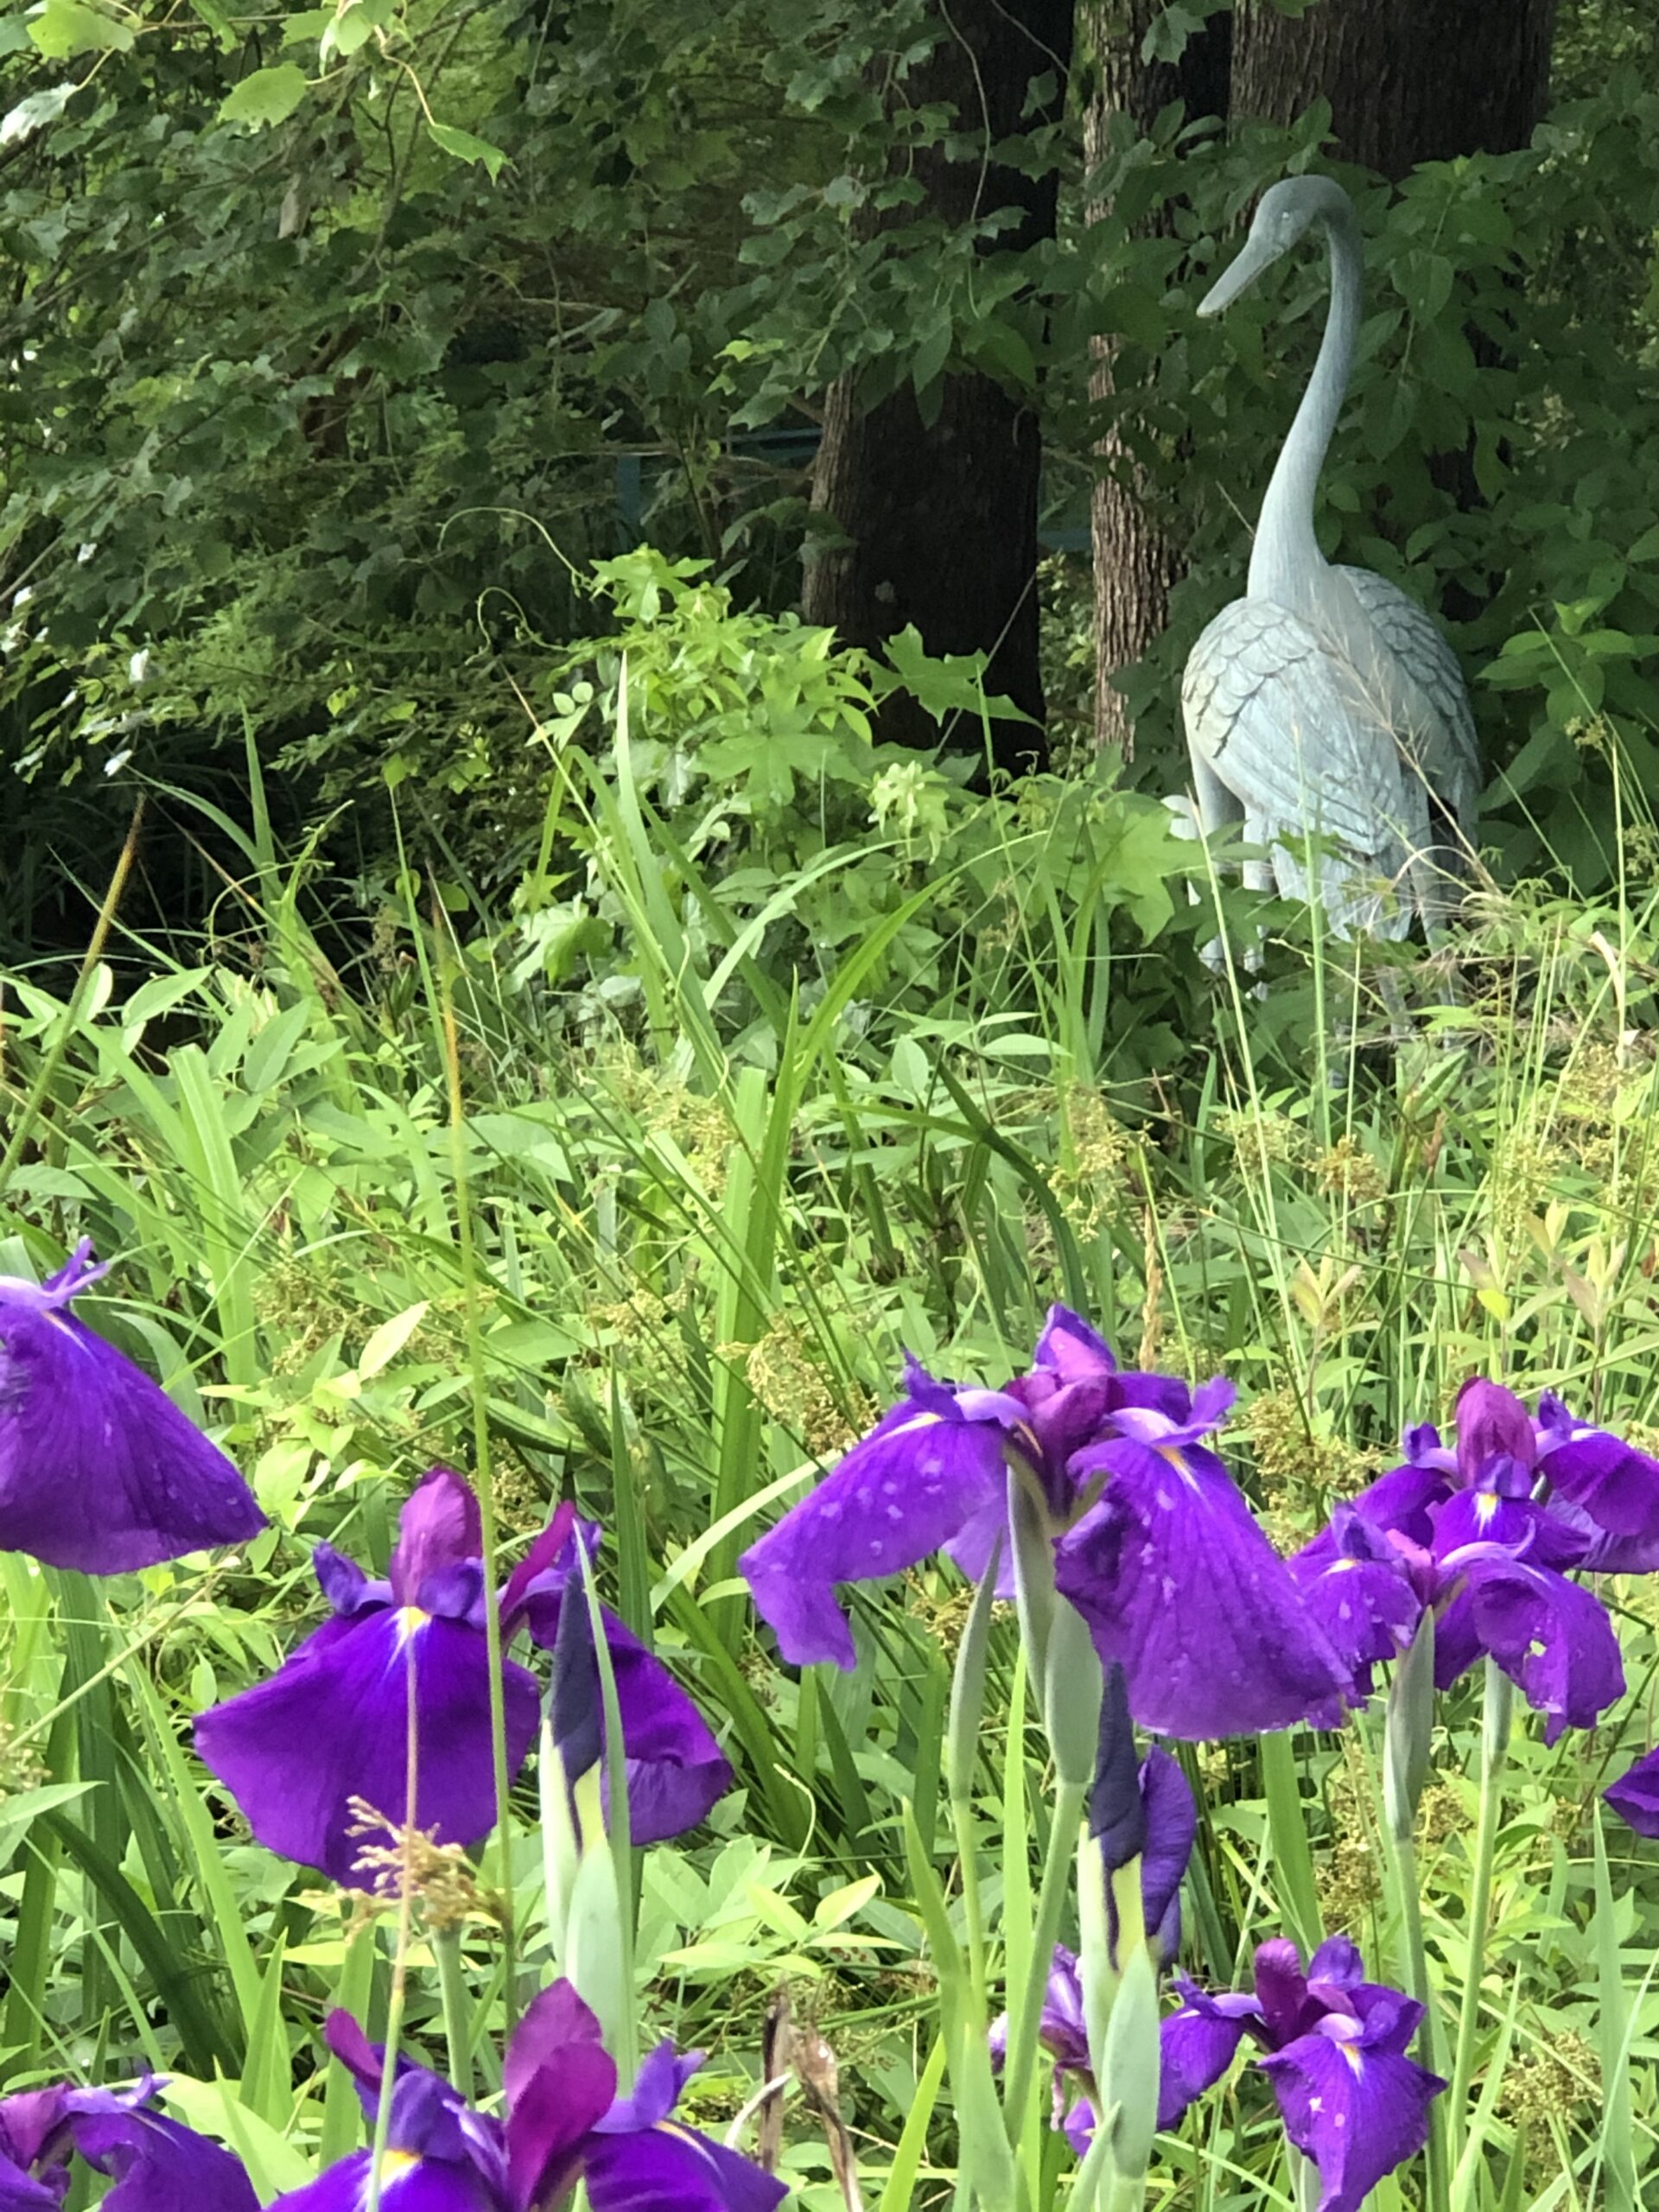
(1408, 81)
(1136, 560)
(937, 519)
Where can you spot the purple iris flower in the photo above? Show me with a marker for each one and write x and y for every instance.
(564, 2124)
(1169, 1540)
(330, 1727)
(676, 1770)
(1351, 2099)
(1635, 1796)
(99, 1471)
(1180, 1586)
(931, 1477)
(1593, 1481)
(1462, 1535)
(157, 2164)
(328, 1732)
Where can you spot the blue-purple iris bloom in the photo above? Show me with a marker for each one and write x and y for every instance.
(99, 1471)
(564, 2123)
(157, 2164)
(1152, 1536)
(676, 1770)
(1335, 2046)
(1635, 1796)
(1483, 1536)
(327, 1734)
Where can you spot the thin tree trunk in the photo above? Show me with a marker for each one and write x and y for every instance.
(935, 520)
(1408, 81)
(1136, 560)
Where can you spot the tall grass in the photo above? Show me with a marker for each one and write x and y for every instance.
(667, 1267)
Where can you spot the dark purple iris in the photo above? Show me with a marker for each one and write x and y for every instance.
(676, 1770)
(1336, 2044)
(157, 2164)
(1478, 1537)
(1169, 1541)
(1179, 1585)
(99, 1471)
(564, 2124)
(327, 1734)
(1635, 1796)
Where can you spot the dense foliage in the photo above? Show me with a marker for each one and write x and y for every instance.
(537, 1025)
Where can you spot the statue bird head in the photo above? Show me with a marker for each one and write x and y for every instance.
(1291, 207)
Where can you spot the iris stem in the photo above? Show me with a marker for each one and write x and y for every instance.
(973, 1910)
(483, 1464)
(405, 1929)
(1403, 1851)
(1494, 1751)
(1025, 2012)
(457, 2008)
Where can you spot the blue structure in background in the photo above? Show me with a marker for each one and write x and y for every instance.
(791, 446)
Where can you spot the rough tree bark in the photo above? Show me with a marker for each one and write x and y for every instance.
(1136, 560)
(1408, 81)
(938, 520)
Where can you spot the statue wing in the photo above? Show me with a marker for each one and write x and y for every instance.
(1447, 748)
(1272, 713)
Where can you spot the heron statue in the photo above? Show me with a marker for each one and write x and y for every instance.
(1324, 711)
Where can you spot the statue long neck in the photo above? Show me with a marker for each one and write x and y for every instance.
(1286, 563)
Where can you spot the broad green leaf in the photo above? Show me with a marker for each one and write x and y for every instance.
(267, 96)
(466, 148)
(66, 27)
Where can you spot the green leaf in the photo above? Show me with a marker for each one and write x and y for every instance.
(31, 115)
(466, 148)
(267, 96)
(66, 27)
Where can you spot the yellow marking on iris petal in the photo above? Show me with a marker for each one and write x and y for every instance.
(680, 2134)
(1355, 2057)
(410, 1620)
(395, 2165)
(1486, 1504)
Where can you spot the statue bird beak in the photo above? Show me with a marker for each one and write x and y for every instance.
(1253, 258)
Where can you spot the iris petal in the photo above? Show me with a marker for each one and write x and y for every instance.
(99, 1471)
(1357, 2112)
(160, 2165)
(915, 1483)
(1196, 2046)
(1171, 1548)
(676, 1772)
(673, 2169)
(1635, 1796)
(407, 2186)
(330, 1726)
(1551, 1636)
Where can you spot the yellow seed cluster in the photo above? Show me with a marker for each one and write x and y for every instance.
(21, 1764)
(1559, 2075)
(1441, 1816)
(789, 1383)
(1096, 1154)
(1348, 1171)
(444, 1886)
(1350, 1877)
